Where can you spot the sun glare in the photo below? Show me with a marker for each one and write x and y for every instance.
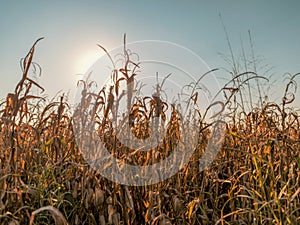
(85, 60)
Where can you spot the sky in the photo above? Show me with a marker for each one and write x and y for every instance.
(72, 30)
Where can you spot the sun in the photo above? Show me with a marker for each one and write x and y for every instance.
(85, 60)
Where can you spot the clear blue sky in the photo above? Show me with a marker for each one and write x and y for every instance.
(73, 28)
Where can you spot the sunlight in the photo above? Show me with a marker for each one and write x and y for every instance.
(85, 60)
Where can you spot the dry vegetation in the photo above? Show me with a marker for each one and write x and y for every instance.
(45, 180)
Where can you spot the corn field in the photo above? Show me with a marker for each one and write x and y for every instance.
(45, 179)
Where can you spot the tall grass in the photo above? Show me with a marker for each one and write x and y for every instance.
(44, 179)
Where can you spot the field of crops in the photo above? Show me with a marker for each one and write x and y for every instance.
(44, 178)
